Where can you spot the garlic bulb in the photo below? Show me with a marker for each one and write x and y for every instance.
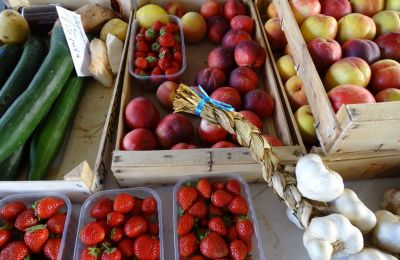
(372, 254)
(386, 234)
(391, 201)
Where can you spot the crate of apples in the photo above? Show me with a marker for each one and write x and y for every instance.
(215, 218)
(120, 224)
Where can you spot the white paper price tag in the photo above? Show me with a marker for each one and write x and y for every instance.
(78, 43)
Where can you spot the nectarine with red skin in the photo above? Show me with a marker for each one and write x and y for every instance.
(183, 146)
(362, 48)
(385, 74)
(251, 118)
(211, 8)
(349, 94)
(243, 79)
(324, 53)
(273, 141)
(335, 8)
(173, 129)
(389, 44)
(211, 133)
(259, 102)
(224, 144)
(166, 93)
(141, 113)
(221, 58)
(210, 79)
(276, 37)
(250, 53)
(217, 27)
(233, 8)
(233, 37)
(388, 95)
(175, 8)
(229, 96)
(243, 22)
(139, 139)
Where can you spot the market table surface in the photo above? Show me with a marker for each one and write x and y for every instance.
(282, 240)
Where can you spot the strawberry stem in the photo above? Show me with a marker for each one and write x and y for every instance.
(35, 228)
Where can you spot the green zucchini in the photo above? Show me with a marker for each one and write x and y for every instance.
(25, 114)
(9, 56)
(12, 165)
(28, 65)
(49, 136)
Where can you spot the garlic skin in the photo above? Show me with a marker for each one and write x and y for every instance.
(386, 234)
(372, 254)
(290, 215)
(391, 201)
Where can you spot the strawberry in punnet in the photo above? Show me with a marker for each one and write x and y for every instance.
(115, 219)
(140, 37)
(186, 197)
(26, 220)
(92, 234)
(166, 39)
(103, 223)
(238, 250)
(142, 46)
(163, 63)
(140, 54)
(172, 27)
(153, 228)
(198, 210)
(146, 247)
(244, 229)
(214, 246)
(5, 236)
(185, 224)
(140, 72)
(15, 250)
(214, 211)
(197, 257)
(102, 207)
(232, 234)
(47, 207)
(156, 72)
(135, 226)
(137, 208)
(111, 254)
(152, 61)
(150, 35)
(126, 248)
(218, 185)
(36, 237)
(238, 205)
(155, 47)
(52, 247)
(164, 52)
(157, 25)
(123, 203)
(175, 64)
(171, 73)
(149, 206)
(177, 56)
(221, 198)
(116, 234)
(187, 244)
(91, 253)
(233, 186)
(141, 63)
(55, 224)
(10, 211)
(217, 225)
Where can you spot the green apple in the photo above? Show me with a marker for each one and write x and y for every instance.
(305, 122)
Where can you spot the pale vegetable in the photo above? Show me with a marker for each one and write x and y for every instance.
(386, 234)
(14, 29)
(100, 67)
(114, 52)
(94, 16)
(115, 27)
(315, 181)
(391, 201)
(332, 236)
(372, 254)
(350, 206)
(292, 218)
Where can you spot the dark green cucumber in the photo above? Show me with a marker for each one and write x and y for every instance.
(12, 165)
(25, 114)
(22, 75)
(9, 56)
(49, 136)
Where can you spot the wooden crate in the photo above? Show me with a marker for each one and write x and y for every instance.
(85, 159)
(166, 166)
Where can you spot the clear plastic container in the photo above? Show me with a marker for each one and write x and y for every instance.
(257, 251)
(30, 198)
(157, 79)
(140, 192)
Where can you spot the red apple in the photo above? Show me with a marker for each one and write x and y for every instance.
(183, 146)
(139, 139)
(385, 74)
(389, 44)
(224, 144)
(335, 8)
(259, 102)
(175, 8)
(251, 118)
(174, 129)
(243, 22)
(364, 49)
(211, 8)
(233, 37)
(233, 8)
(276, 37)
(324, 53)
(221, 58)
(250, 53)
(243, 79)
(166, 93)
(141, 113)
(387, 95)
(294, 88)
(211, 133)
(273, 141)
(229, 96)
(210, 79)
(217, 27)
(349, 94)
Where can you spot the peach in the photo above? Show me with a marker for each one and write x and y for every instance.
(210, 79)
(221, 58)
(276, 37)
(224, 144)
(243, 22)
(259, 102)
(250, 53)
(229, 96)
(139, 139)
(175, 8)
(349, 94)
(387, 95)
(194, 27)
(324, 53)
(183, 146)
(211, 8)
(287, 50)
(304, 8)
(273, 141)
(286, 67)
(166, 93)
(392, 5)
(294, 88)
(387, 21)
(319, 25)
(367, 7)
(211, 133)
(173, 129)
(350, 70)
(305, 122)
(233, 8)
(389, 45)
(385, 74)
(217, 27)
(233, 37)
(141, 113)
(364, 49)
(251, 118)
(355, 26)
(271, 10)
(243, 79)
(335, 8)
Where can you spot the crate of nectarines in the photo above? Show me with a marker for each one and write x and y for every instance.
(225, 55)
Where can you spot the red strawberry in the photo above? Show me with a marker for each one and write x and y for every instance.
(197, 257)
(214, 246)
(5, 236)
(244, 229)
(217, 225)
(55, 224)
(218, 185)
(142, 30)
(150, 35)
(187, 244)
(140, 72)
(10, 211)
(126, 248)
(171, 73)
(157, 25)
(115, 219)
(103, 223)
(175, 64)
(238, 205)
(152, 54)
(202, 222)
(149, 206)
(153, 228)
(164, 52)
(139, 54)
(186, 197)
(141, 63)
(52, 247)
(123, 203)
(214, 211)
(15, 250)
(221, 198)
(238, 250)
(137, 208)
(142, 46)
(36, 237)
(177, 55)
(232, 234)
(163, 63)
(155, 47)
(102, 207)
(151, 61)
(233, 186)
(146, 247)
(111, 254)
(166, 39)
(156, 72)
(26, 219)
(140, 37)
(135, 226)
(47, 207)
(185, 224)
(198, 210)
(116, 234)
(92, 234)
(91, 253)
(172, 27)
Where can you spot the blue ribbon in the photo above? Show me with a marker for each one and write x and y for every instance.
(205, 98)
